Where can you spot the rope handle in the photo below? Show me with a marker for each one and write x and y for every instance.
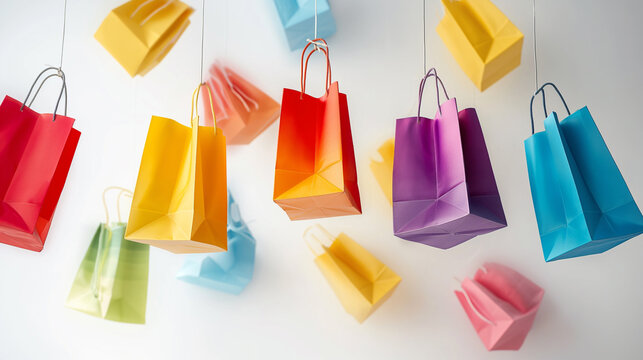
(318, 239)
(471, 305)
(59, 73)
(304, 65)
(432, 72)
(103, 248)
(195, 109)
(531, 103)
(122, 192)
(242, 96)
(147, 16)
(219, 88)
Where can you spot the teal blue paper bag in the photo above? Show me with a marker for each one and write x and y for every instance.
(227, 271)
(298, 20)
(582, 203)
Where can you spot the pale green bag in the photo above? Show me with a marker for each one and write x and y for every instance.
(111, 282)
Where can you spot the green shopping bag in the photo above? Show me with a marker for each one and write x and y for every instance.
(111, 282)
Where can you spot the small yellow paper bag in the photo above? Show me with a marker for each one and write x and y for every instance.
(140, 33)
(383, 170)
(360, 281)
(481, 39)
(181, 199)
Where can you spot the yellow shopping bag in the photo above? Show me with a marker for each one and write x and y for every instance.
(180, 200)
(383, 170)
(360, 281)
(140, 33)
(481, 39)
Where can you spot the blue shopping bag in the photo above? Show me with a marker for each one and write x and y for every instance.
(298, 20)
(582, 203)
(227, 271)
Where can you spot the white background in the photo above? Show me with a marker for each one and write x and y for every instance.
(592, 308)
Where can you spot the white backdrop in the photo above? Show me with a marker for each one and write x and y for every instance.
(592, 306)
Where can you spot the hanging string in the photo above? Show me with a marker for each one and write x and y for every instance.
(62, 46)
(535, 55)
(202, 31)
(424, 33)
(225, 31)
(315, 19)
(316, 45)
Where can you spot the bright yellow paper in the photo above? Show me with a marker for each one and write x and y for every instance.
(140, 33)
(383, 170)
(481, 39)
(180, 200)
(360, 281)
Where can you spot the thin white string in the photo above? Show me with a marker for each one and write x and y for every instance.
(535, 55)
(225, 31)
(315, 44)
(62, 45)
(202, 31)
(424, 33)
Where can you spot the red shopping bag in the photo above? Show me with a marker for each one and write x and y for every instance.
(36, 151)
(315, 173)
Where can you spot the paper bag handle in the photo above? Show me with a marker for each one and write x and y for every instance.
(242, 96)
(304, 65)
(152, 13)
(195, 105)
(318, 239)
(122, 192)
(531, 103)
(430, 73)
(103, 251)
(59, 73)
(470, 305)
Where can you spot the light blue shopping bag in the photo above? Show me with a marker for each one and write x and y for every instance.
(582, 203)
(298, 20)
(227, 271)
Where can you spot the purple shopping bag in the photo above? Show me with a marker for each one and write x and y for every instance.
(444, 190)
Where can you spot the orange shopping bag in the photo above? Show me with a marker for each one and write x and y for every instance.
(243, 111)
(315, 174)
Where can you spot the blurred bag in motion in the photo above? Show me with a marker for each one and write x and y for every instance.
(243, 111)
(111, 282)
(229, 271)
(298, 20)
(481, 39)
(360, 281)
(501, 305)
(383, 169)
(140, 33)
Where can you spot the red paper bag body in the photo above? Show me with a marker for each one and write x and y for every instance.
(36, 152)
(242, 110)
(315, 176)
